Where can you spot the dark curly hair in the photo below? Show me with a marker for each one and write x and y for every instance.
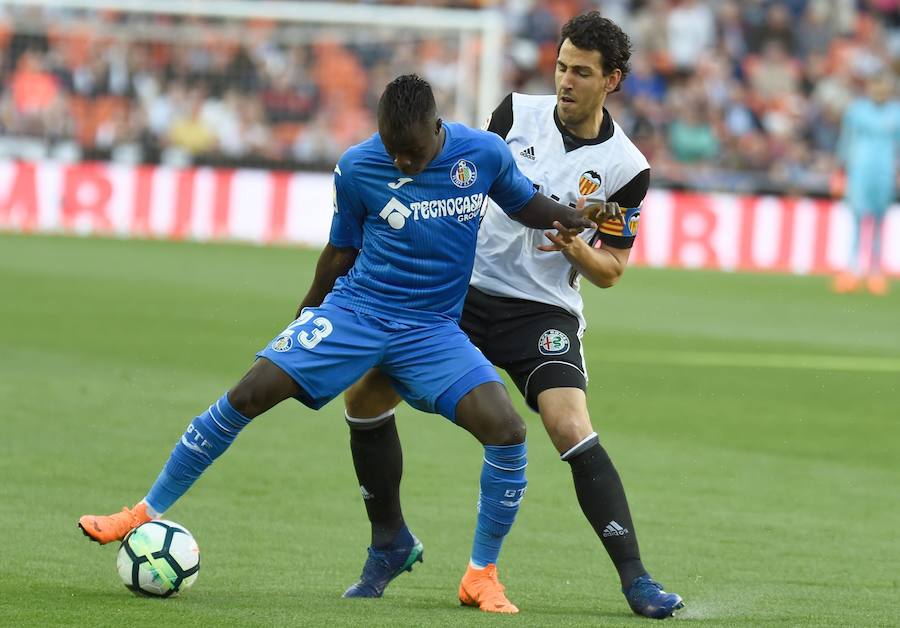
(407, 101)
(592, 31)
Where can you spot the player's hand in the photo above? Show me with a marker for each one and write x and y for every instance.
(600, 211)
(578, 219)
(562, 240)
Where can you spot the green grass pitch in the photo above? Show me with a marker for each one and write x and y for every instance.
(755, 420)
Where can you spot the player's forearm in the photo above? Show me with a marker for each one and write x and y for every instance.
(599, 266)
(333, 263)
(541, 212)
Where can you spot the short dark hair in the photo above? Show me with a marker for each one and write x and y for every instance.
(592, 31)
(406, 102)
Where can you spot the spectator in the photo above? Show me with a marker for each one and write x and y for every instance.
(189, 132)
(643, 82)
(815, 33)
(37, 97)
(770, 75)
(777, 27)
(691, 136)
(774, 74)
(691, 30)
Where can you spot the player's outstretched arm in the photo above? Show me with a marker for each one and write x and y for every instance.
(542, 212)
(601, 266)
(333, 262)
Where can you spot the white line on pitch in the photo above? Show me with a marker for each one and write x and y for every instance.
(760, 360)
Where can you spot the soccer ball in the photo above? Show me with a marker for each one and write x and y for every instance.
(158, 558)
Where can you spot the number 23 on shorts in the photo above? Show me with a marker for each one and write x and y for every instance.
(321, 329)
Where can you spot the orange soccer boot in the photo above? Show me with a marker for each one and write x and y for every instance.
(109, 528)
(845, 282)
(480, 587)
(877, 285)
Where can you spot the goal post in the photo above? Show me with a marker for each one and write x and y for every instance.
(214, 119)
(479, 34)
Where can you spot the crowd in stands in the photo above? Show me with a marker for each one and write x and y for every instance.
(722, 94)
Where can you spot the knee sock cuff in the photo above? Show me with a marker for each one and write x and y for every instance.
(225, 415)
(583, 445)
(589, 457)
(506, 457)
(371, 423)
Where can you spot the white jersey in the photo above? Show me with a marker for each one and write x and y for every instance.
(609, 167)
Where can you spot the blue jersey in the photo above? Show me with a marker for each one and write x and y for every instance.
(869, 146)
(417, 235)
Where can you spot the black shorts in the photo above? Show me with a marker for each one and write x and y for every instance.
(539, 345)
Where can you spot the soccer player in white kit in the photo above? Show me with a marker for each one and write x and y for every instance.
(524, 310)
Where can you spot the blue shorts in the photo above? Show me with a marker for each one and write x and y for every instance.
(328, 348)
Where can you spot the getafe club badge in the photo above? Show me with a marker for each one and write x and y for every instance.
(553, 342)
(588, 183)
(282, 344)
(463, 173)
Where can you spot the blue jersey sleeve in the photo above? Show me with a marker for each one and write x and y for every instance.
(349, 210)
(511, 189)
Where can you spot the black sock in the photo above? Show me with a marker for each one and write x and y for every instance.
(602, 499)
(378, 460)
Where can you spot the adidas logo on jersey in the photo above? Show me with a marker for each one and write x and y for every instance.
(365, 492)
(614, 529)
(528, 153)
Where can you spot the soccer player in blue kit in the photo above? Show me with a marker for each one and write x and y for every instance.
(869, 149)
(388, 292)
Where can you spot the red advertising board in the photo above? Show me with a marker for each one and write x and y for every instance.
(677, 229)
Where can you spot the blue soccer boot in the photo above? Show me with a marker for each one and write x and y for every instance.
(386, 563)
(646, 597)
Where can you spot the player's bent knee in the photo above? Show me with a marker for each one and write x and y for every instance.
(500, 432)
(264, 386)
(568, 432)
(511, 431)
(488, 414)
(244, 400)
(372, 396)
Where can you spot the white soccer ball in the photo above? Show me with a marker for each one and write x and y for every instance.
(158, 558)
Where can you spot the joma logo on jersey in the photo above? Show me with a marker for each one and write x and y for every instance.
(463, 208)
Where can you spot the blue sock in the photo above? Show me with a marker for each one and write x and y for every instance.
(502, 489)
(205, 439)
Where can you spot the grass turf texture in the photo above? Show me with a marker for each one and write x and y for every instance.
(753, 419)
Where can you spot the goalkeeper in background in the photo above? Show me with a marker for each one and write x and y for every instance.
(867, 149)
